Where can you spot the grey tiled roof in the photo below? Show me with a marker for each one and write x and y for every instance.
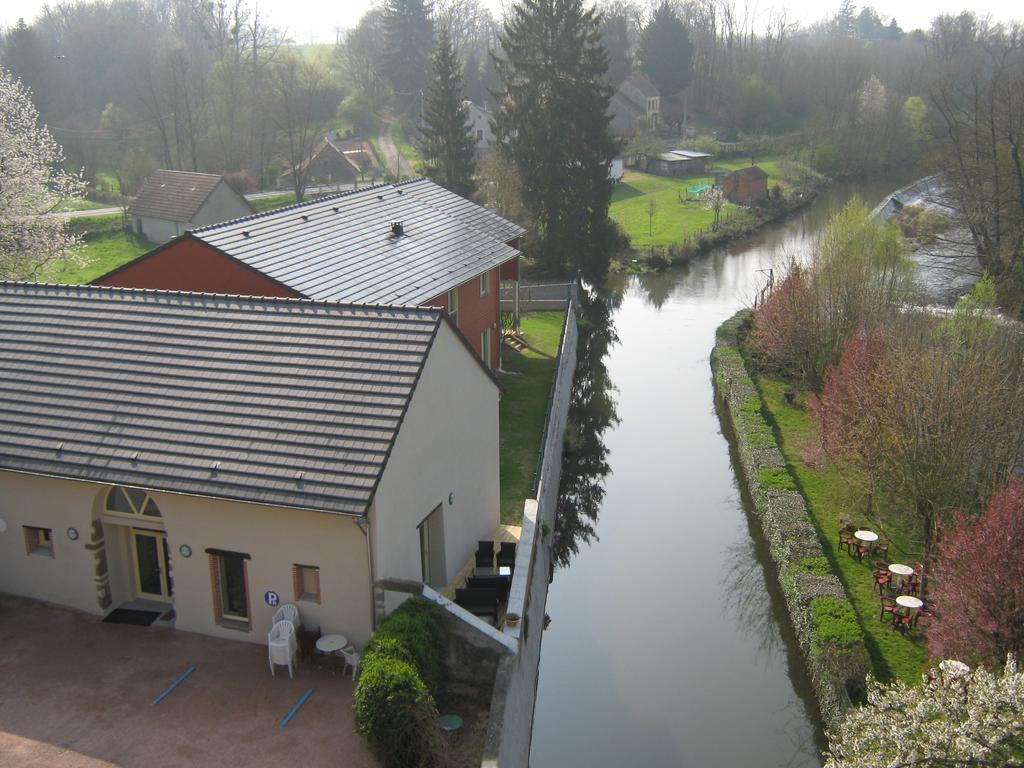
(174, 195)
(286, 402)
(342, 248)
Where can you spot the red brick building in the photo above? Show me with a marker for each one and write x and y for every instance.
(746, 185)
(413, 244)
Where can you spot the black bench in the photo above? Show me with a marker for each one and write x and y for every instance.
(478, 601)
(499, 583)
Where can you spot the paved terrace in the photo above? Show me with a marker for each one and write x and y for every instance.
(501, 533)
(76, 693)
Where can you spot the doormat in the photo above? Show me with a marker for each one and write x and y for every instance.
(131, 616)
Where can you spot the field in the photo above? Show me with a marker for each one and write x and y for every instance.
(675, 217)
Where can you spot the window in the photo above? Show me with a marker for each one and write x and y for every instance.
(485, 283)
(38, 541)
(131, 501)
(306, 579)
(485, 346)
(229, 579)
(453, 306)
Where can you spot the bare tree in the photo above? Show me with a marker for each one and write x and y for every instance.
(298, 85)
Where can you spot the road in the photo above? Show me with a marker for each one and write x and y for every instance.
(310, 190)
(392, 158)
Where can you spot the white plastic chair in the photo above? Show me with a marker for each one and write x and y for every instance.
(288, 612)
(282, 646)
(352, 658)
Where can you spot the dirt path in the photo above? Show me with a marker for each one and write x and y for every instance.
(391, 157)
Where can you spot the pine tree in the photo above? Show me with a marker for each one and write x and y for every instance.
(408, 43)
(553, 127)
(666, 53)
(447, 145)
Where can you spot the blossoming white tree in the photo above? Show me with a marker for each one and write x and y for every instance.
(32, 184)
(958, 717)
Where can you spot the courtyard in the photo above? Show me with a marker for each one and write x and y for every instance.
(77, 693)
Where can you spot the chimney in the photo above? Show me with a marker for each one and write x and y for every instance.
(397, 229)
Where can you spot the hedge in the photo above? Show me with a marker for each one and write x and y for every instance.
(400, 673)
(823, 618)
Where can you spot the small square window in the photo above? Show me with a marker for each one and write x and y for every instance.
(39, 541)
(307, 582)
(485, 283)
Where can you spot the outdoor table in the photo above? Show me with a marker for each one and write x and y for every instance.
(868, 537)
(331, 643)
(900, 571)
(505, 570)
(909, 602)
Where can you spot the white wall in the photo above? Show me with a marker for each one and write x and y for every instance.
(158, 230)
(448, 444)
(276, 538)
(223, 204)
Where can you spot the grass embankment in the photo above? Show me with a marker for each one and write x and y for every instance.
(105, 246)
(524, 404)
(829, 497)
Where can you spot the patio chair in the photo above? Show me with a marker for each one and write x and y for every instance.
(307, 643)
(881, 549)
(288, 612)
(352, 658)
(499, 583)
(883, 580)
(479, 602)
(485, 554)
(846, 539)
(888, 606)
(282, 646)
(507, 554)
(902, 622)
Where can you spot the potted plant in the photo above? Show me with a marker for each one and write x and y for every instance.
(512, 619)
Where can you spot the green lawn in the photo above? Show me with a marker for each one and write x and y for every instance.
(672, 221)
(100, 255)
(893, 655)
(82, 204)
(262, 204)
(524, 406)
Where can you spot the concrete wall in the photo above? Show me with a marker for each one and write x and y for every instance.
(510, 727)
(157, 230)
(446, 453)
(95, 573)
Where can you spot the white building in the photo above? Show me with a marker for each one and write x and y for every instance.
(480, 127)
(219, 454)
(173, 202)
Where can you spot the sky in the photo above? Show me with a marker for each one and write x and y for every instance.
(316, 21)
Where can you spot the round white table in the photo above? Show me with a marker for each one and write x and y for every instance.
(331, 643)
(909, 602)
(900, 571)
(868, 537)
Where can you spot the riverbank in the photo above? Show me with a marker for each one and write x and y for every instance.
(822, 616)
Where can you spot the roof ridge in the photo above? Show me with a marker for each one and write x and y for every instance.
(296, 206)
(113, 289)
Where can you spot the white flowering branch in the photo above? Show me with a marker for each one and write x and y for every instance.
(957, 717)
(32, 184)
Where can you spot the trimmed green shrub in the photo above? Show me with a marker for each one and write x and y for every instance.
(819, 566)
(399, 674)
(395, 712)
(835, 622)
(777, 478)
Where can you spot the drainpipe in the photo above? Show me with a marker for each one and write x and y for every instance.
(364, 525)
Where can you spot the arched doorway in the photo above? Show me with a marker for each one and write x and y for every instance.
(138, 512)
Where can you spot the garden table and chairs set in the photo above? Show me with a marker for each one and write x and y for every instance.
(487, 589)
(287, 640)
(900, 587)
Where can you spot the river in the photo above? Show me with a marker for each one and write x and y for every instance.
(667, 645)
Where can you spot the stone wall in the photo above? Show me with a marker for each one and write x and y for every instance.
(510, 727)
(794, 545)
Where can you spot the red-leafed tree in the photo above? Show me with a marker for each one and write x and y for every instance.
(783, 333)
(977, 582)
(851, 392)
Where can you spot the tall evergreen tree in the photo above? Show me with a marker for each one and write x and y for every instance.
(447, 145)
(408, 44)
(553, 126)
(666, 53)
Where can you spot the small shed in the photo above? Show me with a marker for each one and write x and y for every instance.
(173, 202)
(615, 170)
(746, 185)
(678, 162)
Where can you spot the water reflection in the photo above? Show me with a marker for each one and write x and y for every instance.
(591, 411)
